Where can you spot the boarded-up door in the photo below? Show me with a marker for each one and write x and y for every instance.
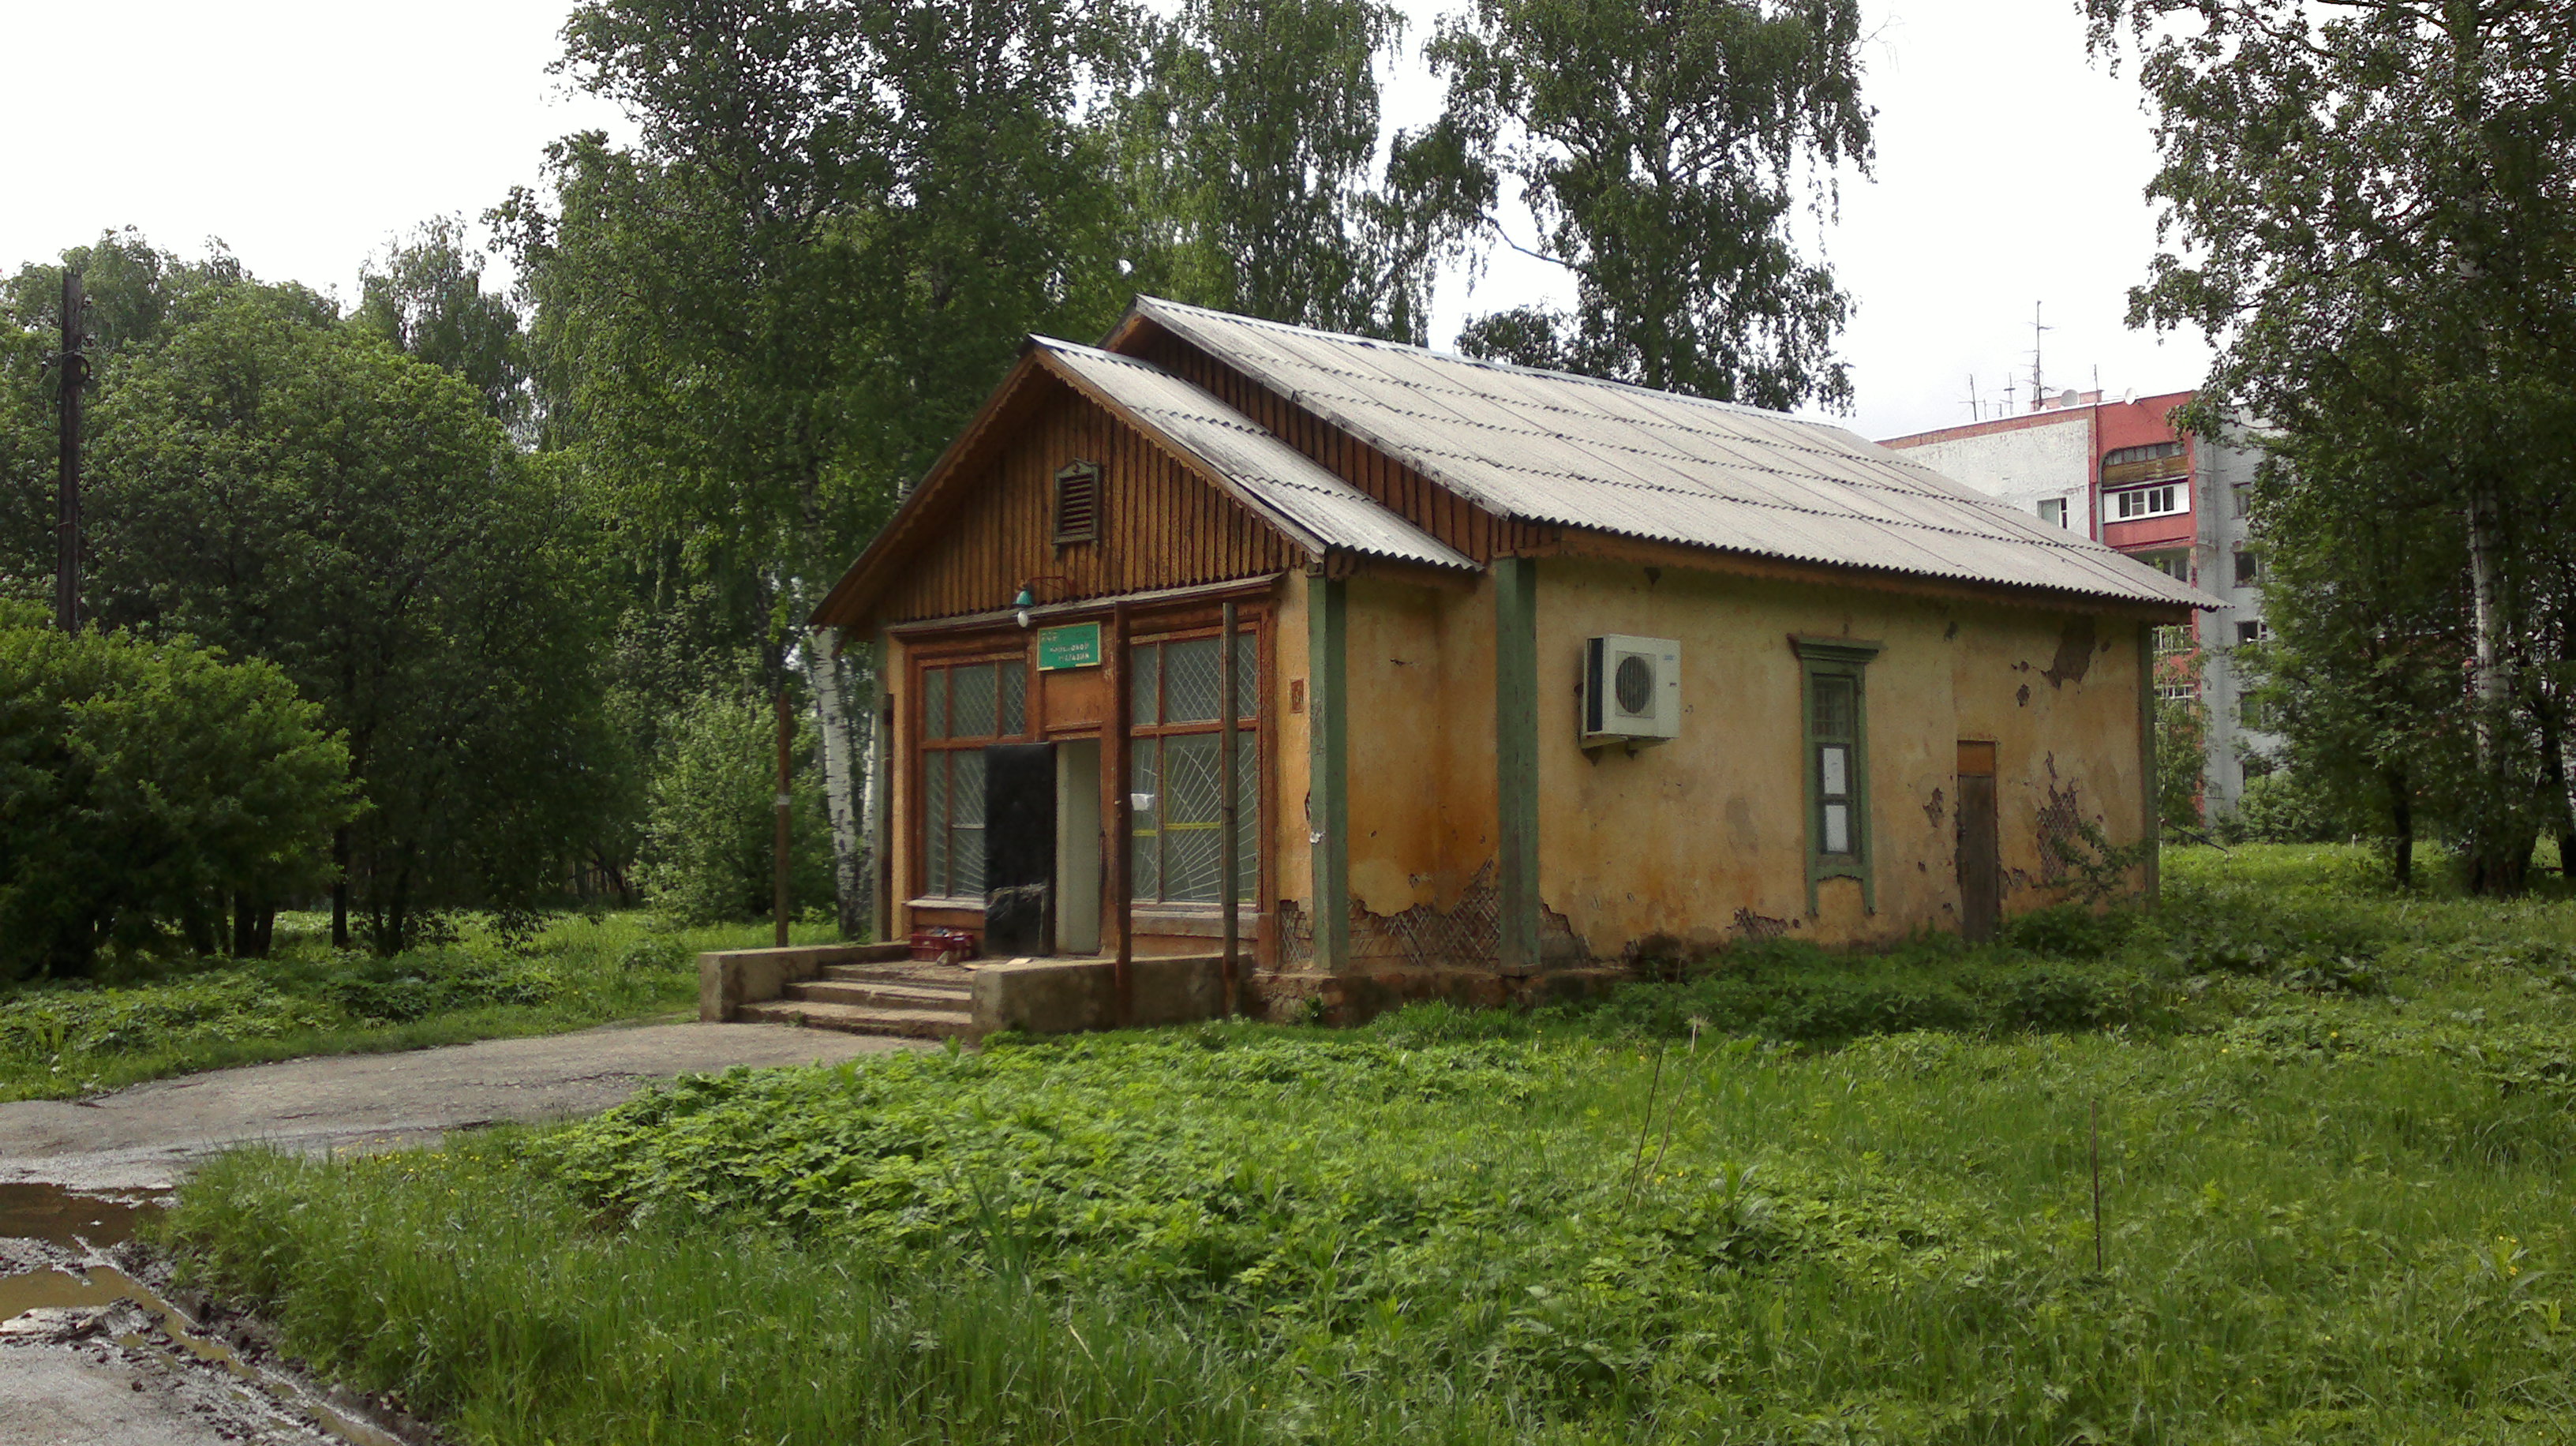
(1019, 849)
(1981, 865)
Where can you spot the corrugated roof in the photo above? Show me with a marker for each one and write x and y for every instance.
(1581, 452)
(1307, 501)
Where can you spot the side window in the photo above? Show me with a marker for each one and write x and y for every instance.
(1176, 772)
(2249, 568)
(2053, 509)
(1834, 681)
(1833, 734)
(964, 707)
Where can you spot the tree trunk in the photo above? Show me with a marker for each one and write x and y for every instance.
(340, 887)
(2401, 814)
(2500, 835)
(829, 674)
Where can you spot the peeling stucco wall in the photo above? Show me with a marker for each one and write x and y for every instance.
(1703, 838)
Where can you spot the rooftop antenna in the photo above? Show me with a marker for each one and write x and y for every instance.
(2008, 396)
(1975, 413)
(2038, 387)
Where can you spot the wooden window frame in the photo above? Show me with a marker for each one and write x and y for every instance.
(1067, 477)
(1251, 731)
(1845, 658)
(928, 752)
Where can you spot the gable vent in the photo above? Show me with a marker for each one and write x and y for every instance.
(1077, 503)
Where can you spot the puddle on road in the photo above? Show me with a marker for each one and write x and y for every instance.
(58, 1217)
(87, 1223)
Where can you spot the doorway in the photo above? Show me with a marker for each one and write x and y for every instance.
(1981, 869)
(1019, 848)
(1077, 846)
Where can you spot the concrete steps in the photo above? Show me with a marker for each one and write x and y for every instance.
(861, 1019)
(885, 994)
(904, 999)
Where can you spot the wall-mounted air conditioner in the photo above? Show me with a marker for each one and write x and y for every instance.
(1632, 689)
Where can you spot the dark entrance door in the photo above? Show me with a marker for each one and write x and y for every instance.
(1981, 865)
(1019, 849)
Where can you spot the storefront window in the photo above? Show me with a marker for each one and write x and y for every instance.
(964, 707)
(1176, 775)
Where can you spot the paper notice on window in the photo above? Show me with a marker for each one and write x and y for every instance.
(1833, 764)
(1838, 828)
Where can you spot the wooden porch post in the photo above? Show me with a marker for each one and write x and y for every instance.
(1229, 864)
(1122, 813)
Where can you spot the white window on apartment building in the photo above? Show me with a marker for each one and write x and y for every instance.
(2129, 504)
(2175, 565)
(2053, 509)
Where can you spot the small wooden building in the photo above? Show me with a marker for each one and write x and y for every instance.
(1532, 671)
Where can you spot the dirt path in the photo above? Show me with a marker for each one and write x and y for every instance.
(81, 1362)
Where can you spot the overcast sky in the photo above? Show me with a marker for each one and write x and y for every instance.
(304, 134)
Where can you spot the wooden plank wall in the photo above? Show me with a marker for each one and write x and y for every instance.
(1399, 488)
(1160, 525)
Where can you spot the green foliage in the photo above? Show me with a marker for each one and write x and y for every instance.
(2284, 808)
(1793, 992)
(2182, 740)
(425, 298)
(287, 488)
(1253, 139)
(2331, 1215)
(750, 335)
(1663, 150)
(142, 786)
(710, 840)
(2369, 211)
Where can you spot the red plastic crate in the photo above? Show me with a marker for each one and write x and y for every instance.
(929, 944)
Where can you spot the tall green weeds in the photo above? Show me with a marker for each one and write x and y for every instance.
(2333, 1214)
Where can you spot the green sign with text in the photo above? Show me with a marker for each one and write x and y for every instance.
(1075, 645)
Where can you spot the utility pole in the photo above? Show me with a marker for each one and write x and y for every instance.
(67, 529)
(2038, 387)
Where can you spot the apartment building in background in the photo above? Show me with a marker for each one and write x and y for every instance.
(2123, 473)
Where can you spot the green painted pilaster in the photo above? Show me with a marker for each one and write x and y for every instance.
(1328, 731)
(1516, 761)
(2151, 809)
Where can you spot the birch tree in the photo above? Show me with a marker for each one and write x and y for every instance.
(2368, 208)
(1667, 149)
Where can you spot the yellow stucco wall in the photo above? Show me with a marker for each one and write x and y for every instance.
(1704, 837)
(1422, 791)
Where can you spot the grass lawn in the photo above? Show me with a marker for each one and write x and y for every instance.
(1767, 1204)
(58, 1041)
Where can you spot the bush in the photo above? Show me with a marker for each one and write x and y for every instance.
(141, 784)
(2279, 808)
(1794, 992)
(2068, 931)
(711, 835)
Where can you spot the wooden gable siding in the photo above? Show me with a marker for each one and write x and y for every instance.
(1398, 488)
(1161, 524)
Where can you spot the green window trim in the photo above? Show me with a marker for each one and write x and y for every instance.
(1833, 707)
